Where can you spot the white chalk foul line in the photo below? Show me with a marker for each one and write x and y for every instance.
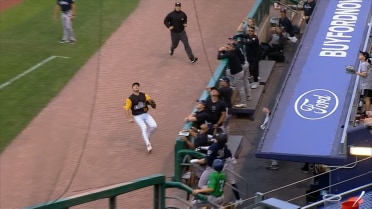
(30, 70)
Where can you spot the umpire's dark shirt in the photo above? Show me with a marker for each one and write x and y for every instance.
(176, 19)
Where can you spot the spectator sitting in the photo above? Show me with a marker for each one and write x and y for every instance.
(200, 116)
(285, 26)
(216, 109)
(198, 139)
(214, 189)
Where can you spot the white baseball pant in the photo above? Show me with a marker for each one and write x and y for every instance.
(147, 125)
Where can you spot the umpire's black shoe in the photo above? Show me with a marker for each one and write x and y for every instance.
(194, 60)
(171, 51)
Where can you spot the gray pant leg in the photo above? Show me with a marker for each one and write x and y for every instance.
(203, 181)
(185, 41)
(239, 84)
(175, 38)
(68, 33)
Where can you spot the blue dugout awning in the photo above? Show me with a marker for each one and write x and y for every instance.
(307, 121)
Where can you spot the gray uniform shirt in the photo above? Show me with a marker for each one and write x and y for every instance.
(366, 82)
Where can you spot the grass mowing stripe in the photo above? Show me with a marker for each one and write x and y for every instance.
(28, 34)
(29, 71)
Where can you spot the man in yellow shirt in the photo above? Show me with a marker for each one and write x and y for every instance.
(136, 107)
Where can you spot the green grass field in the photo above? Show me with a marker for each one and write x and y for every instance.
(29, 35)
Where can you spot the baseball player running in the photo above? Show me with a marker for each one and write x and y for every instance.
(137, 110)
(68, 12)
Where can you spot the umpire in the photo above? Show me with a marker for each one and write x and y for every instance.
(176, 21)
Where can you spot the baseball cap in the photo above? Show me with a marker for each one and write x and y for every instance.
(234, 37)
(226, 79)
(365, 54)
(135, 83)
(282, 10)
(202, 102)
(177, 4)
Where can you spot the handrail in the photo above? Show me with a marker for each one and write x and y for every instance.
(367, 186)
(103, 193)
(178, 158)
(181, 186)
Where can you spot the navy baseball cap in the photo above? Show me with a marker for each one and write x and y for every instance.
(226, 79)
(282, 10)
(177, 4)
(135, 83)
(234, 37)
(202, 102)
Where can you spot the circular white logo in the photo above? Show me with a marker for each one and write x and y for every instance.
(316, 104)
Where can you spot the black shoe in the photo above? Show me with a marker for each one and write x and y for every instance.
(171, 51)
(194, 60)
(305, 169)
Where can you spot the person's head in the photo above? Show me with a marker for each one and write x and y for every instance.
(201, 105)
(251, 30)
(265, 110)
(233, 39)
(224, 81)
(214, 92)
(283, 13)
(363, 56)
(221, 138)
(177, 6)
(251, 22)
(218, 165)
(203, 128)
(135, 86)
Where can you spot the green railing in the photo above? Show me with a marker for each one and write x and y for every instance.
(111, 192)
(259, 10)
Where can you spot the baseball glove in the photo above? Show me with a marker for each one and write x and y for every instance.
(350, 69)
(152, 104)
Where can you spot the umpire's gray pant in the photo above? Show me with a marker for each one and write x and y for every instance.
(182, 36)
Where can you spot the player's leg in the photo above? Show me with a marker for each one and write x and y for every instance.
(64, 18)
(69, 30)
(185, 41)
(139, 119)
(151, 124)
(175, 40)
(229, 169)
(203, 181)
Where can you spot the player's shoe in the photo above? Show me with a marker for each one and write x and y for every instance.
(149, 148)
(72, 42)
(171, 51)
(63, 41)
(194, 60)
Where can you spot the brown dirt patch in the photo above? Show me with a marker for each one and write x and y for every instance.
(6, 4)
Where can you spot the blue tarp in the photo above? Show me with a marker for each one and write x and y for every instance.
(307, 122)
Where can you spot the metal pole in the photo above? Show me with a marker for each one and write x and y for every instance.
(112, 202)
